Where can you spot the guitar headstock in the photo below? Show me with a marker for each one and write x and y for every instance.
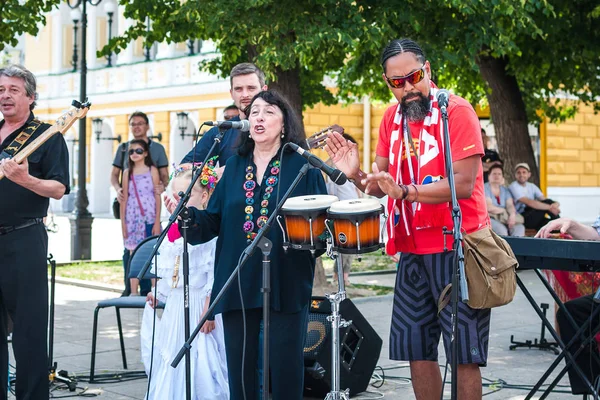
(317, 140)
(76, 112)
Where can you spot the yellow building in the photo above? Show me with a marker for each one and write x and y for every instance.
(165, 80)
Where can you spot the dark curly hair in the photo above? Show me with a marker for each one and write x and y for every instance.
(293, 127)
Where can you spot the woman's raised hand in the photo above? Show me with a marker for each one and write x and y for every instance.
(343, 153)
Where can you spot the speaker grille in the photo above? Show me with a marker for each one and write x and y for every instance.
(316, 335)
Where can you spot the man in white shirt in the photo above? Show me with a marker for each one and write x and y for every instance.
(530, 202)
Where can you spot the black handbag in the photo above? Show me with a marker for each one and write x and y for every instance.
(116, 206)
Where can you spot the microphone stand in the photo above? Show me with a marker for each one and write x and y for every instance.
(182, 211)
(459, 257)
(265, 245)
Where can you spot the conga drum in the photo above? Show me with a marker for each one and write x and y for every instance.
(356, 225)
(304, 218)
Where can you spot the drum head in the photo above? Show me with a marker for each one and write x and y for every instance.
(306, 203)
(355, 206)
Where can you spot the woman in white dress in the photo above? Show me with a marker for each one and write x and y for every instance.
(208, 361)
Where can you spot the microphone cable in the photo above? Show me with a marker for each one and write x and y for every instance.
(196, 145)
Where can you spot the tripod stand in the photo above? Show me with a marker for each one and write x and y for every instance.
(337, 322)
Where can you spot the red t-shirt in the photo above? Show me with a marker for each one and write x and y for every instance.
(465, 141)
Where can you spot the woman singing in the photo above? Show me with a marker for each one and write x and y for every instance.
(243, 200)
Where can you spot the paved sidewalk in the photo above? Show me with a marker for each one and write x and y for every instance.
(73, 331)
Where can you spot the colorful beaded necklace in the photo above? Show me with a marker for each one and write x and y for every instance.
(249, 186)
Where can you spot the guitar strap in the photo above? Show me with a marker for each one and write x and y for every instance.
(20, 140)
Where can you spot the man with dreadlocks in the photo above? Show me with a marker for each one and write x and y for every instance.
(410, 169)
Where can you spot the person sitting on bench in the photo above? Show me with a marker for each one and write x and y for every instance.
(536, 209)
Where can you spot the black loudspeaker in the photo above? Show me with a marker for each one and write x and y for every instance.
(360, 347)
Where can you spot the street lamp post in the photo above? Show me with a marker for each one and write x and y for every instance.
(97, 125)
(147, 47)
(75, 16)
(182, 122)
(81, 219)
(110, 9)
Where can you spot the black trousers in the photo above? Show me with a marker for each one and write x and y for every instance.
(286, 351)
(24, 297)
(580, 309)
(536, 219)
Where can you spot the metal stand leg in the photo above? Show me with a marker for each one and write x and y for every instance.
(542, 344)
(336, 323)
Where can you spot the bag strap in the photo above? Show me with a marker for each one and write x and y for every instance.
(137, 196)
(444, 298)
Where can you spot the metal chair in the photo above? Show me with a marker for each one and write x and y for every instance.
(138, 259)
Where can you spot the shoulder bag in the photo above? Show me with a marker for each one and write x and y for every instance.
(490, 269)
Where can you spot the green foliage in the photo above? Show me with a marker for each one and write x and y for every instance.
(20, 17)
(551, 46)
(315, 35)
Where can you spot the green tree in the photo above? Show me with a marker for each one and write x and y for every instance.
(296, 43)
(516, 55)
(20, 17)
(519, 56)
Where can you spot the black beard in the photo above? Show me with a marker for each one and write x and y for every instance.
(415, 110)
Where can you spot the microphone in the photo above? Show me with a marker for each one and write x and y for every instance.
(337, 176)
(442, 97)
(242, 125)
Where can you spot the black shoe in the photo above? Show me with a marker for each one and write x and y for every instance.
(125, 293)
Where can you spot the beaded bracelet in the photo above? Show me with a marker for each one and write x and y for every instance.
(416, 192)
(404, 192)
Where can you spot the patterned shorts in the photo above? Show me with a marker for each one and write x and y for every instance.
(416, 325)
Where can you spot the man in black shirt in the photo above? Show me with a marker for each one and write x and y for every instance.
(24, 197)
(490, 158)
